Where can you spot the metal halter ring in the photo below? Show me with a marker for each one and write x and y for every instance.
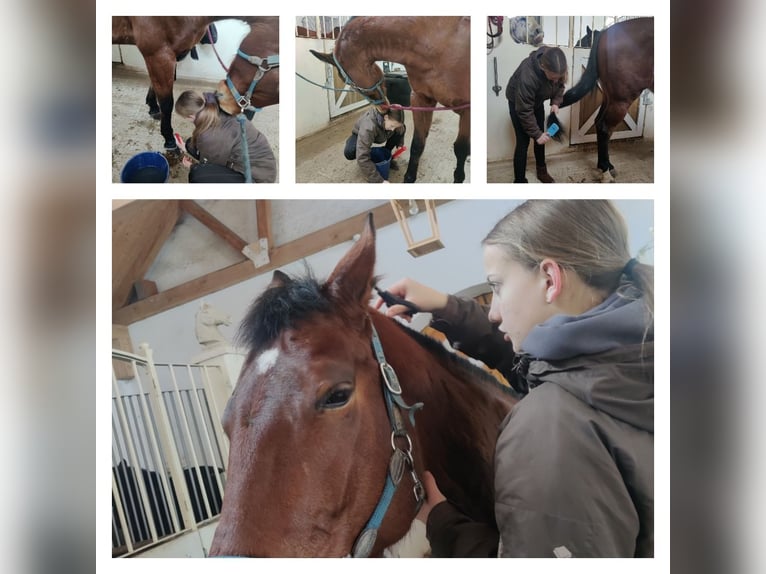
(409, 444)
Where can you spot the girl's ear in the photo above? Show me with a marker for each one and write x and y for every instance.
(553, 276)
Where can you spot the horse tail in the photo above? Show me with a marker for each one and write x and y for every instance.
(587, 80)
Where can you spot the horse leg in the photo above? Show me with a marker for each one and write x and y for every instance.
(462, 145)
(151, 101)
(161, 68)
(608, 118)
(422, 122)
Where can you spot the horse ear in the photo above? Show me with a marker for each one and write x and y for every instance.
(351, 280)
(587, 30)
(279, 279)
(326, 58)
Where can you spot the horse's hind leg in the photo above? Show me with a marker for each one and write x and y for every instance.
(422, 121)
(610, 114)
(462, 146)
(151, 101)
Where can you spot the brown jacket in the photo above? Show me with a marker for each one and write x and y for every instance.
(574, 469)
(528, 89)
(223, 146)
(369, 129)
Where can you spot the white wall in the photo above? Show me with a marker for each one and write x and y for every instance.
(312, 103)
(230, 35)
(463, 224)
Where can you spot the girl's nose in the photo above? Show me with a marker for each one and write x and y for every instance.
(494, 312)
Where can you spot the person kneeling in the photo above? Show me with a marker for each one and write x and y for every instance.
(374, 127)
(216, 144)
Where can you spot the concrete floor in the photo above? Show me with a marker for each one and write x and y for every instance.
(319, 157)
(633, 160)
(134, 130)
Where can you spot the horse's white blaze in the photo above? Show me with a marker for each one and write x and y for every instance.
(266, 360)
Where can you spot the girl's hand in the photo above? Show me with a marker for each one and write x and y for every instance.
(424, 297)
(433, 496)
(187, 161)
(543, 139)
(554, 109)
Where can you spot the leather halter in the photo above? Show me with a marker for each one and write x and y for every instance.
(363, 91)
(392, 392)
(263, 65)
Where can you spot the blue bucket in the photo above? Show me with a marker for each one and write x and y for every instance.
(146, 167)
(381, 157)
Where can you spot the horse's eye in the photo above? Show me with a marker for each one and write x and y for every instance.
(336, 398)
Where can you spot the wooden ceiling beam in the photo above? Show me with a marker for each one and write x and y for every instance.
(263, 215)
(280, 256)
(212, 223)
(139, 230)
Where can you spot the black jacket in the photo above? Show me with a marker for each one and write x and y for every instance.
(528, 88)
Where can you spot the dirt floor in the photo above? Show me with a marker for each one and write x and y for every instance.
(319, 157)
(633, 161)
(134, 130)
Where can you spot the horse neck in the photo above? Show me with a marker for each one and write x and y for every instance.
(367, 57)
(456, 431)
(384, 40)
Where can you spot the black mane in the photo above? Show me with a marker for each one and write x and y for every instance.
(278, 308)
(473, 371)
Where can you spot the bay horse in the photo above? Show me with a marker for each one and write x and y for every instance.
(162, 39)
(587, 40)
(622, 61)
(261, 43)
(310, 422)
(435, 51)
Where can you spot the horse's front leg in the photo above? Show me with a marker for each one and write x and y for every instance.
(161, 71)
(462, 145)
(422, 121)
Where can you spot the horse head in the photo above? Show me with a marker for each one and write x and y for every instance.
(526, 30)
(307, 423)
(589, 39)
(364, 76)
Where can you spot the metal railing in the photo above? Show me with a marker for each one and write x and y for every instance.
(168, 452)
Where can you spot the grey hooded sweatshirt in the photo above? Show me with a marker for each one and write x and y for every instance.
(574, 460)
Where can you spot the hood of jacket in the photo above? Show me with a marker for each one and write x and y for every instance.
(604, 357)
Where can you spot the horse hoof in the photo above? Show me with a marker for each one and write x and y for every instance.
(408, 179)
(156, 115)
(607, 177)
(172, 148)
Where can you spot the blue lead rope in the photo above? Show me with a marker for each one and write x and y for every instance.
(243, 101)
(242, 118)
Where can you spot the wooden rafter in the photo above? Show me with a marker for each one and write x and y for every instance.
(139, 230)
(263, 215)
(281, 255)
(213, 223)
